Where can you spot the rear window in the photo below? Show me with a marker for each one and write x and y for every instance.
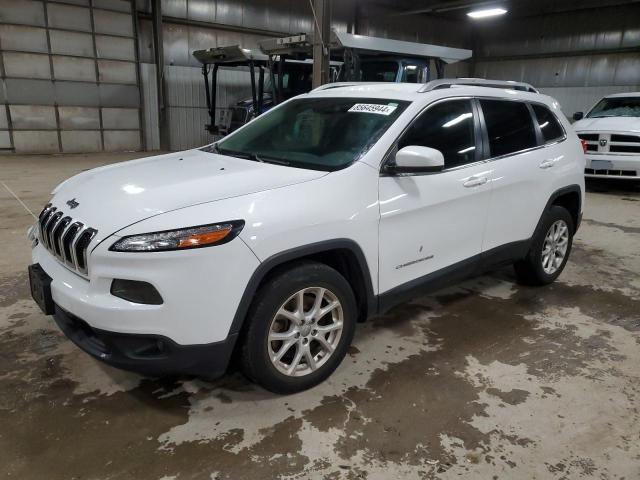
(549, 125)
(509, 126)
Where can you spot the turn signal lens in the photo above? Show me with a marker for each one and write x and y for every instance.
(199, 239)
(181, 239)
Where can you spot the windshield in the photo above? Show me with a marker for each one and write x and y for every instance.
(616, 107)
(379, 71)
(316, 133)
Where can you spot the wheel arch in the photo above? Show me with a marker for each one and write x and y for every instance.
(344, 255)
(569, 197)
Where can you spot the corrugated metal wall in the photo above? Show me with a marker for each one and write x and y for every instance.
(576, 56)
(183, 33)
(69, 77)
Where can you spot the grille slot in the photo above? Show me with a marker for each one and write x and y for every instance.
(625, 148)
(67, 240)
(625, 138)
(612, 173)
(589, 136)
(614, 143)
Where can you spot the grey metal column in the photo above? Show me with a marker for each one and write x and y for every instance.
(163, 121)
(321, 33)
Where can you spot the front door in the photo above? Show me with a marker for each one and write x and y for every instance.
(429, 222)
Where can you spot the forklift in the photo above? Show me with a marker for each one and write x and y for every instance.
(371, 59)
(232, 56)
(289, 62)
(287, 78)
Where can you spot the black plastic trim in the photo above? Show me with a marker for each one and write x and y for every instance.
(558, 193)
(135, 291)
(476, 265)
(444, 277)
(296, 253)
(127, 350)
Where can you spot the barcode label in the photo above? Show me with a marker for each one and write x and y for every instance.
(373, 108)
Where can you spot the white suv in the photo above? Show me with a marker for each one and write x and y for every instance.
(611, 134)
(329, 209)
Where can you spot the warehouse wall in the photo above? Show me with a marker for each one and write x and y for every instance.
(69, 79)
(199, 24)
(575, 56)
(378, 21)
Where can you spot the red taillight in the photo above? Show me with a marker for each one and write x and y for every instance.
(584, 145)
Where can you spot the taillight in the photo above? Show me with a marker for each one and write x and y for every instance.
(584, 145)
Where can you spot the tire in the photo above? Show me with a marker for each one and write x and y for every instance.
(532, 270)
(275, 311)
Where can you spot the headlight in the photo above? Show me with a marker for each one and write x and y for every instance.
(181, 239)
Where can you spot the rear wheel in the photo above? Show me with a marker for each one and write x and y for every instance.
(549, 250)
(299, 328)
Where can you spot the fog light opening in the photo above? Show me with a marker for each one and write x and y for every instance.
(136, 291)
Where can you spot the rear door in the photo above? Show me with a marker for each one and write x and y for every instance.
(523, 167)
(432, 221)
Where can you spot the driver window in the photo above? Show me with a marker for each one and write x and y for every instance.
(411, 74)
(447, 126)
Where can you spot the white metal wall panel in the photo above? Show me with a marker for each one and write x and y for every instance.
(150, 105)
(33, 117)
(581, 99)
(71, 43)
(116, 71)
(113, 23)
(121, 140)
(119, 5)
(69, 17)
(23, 38)
(120, 118)
(582, 30)
(81, 141)
(74, 68)
(26, 65)
(187, 104)
(4, 123)
(35, 141)
(59, 75)
(116, 48)
(25, 12)
(79, 118)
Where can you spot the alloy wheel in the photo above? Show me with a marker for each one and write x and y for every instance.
(554, 247)
(305, 331)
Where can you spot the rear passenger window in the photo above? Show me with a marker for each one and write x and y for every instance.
(509, 126)
(549, 125)
(448, 127)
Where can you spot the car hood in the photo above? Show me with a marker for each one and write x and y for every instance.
(112, 197)
(608, 124)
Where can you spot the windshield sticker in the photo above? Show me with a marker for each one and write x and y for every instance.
(374, 108)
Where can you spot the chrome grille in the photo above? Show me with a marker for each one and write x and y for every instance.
(67, 240)
(612, 143)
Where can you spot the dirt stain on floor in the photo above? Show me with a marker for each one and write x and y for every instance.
(399, 417)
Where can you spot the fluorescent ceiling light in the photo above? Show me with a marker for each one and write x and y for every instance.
(488, 12)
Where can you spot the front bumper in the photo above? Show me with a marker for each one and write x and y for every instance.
(146, 354)
(623, 167)
(201, 290)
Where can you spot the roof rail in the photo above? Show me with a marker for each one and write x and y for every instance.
(477, 82)
(329, 86)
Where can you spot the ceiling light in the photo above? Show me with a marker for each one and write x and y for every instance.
(488, 12)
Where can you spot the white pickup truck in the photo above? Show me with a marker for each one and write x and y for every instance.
(611, 131)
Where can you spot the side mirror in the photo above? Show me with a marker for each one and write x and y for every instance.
(578, 116)
(415, 159)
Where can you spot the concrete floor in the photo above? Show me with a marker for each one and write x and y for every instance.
(484, 380)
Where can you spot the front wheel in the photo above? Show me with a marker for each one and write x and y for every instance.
(299, 328)
(549, 250)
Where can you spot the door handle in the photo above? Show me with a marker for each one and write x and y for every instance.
(475, 182)
(547, 164)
